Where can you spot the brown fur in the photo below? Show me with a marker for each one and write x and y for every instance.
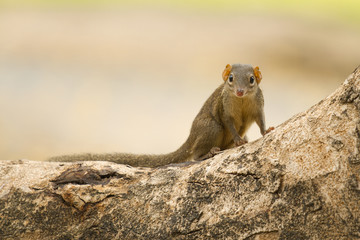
(221, 123)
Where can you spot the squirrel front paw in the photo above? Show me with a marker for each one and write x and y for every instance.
(239, 141)
(269, 130)
(264, 132)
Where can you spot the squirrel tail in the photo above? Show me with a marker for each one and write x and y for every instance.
(135, 160)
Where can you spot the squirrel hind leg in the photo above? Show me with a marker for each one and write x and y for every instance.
(207, 139)
(213, 151)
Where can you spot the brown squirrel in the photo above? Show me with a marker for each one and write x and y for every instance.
(221, 123)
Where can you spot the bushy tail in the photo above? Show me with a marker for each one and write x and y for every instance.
(135, 160)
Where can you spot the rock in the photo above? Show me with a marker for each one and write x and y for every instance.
(301, 181)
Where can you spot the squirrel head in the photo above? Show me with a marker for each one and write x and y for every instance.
(242, 79)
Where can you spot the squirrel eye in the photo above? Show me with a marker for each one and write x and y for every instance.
(252, 80)
(231, 78)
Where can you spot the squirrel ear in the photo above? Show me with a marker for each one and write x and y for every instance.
(226, 72)
(257, 74)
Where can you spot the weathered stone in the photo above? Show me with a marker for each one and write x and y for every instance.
(300, 181)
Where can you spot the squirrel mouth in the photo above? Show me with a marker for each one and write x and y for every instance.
(240, 92)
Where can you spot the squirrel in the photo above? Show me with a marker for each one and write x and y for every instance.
(221, 123)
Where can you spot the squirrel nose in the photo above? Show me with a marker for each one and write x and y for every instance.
(240, 92)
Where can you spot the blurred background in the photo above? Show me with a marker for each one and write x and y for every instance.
(103, 76)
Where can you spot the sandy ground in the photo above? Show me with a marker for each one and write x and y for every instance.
(133, 79)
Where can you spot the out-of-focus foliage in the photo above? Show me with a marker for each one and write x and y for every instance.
(347, 10)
